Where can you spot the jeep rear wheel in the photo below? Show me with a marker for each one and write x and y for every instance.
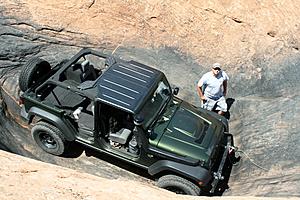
(49, 138)
(32, 71)
(178, 185)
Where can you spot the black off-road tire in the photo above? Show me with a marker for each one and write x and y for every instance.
(49, 138)
(178, 185)
(33, 71)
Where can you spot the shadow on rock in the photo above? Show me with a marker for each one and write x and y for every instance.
(75, 150)
(229, 102)
(117, 162)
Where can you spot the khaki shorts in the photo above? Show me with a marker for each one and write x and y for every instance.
(219, 104)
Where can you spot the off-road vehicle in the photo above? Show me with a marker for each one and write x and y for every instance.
(127, 110)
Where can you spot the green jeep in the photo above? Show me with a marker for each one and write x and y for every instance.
(127, 110)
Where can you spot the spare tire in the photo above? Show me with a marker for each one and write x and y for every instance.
(35, 69)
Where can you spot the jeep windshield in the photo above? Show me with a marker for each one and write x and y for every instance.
(156, 102)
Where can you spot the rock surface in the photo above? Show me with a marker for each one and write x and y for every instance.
(23, 178)
(257, 43)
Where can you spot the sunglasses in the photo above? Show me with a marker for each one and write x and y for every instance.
(217, 68)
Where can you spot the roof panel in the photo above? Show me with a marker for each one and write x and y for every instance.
(127, 84)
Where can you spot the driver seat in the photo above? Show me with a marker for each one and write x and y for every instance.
(121, 136)
(88, 72)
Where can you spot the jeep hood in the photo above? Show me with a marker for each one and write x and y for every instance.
(190, 131)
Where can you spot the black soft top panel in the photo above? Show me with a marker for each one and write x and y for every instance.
(127, 84)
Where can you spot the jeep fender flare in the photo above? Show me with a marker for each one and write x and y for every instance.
(56, 121)
(195, 173)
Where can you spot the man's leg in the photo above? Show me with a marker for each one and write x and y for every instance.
(221, 106)
(208, 104)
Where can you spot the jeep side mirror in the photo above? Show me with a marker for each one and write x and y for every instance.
(175, 90)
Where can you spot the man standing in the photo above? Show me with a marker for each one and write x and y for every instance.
(212, 89)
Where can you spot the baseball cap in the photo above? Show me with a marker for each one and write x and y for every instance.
(217, 66)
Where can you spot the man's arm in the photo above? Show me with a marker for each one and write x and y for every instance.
(199, 90)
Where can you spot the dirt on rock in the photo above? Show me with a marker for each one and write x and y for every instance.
(227, 31)
(23, 178)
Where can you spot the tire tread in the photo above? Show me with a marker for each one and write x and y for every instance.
(28, 69)
(54, 130)
(177, 181)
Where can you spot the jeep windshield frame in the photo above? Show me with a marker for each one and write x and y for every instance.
(156, 102)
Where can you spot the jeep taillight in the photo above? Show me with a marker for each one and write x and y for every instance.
(201, 183)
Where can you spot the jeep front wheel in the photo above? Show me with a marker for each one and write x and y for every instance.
(178, 185)
(35, 69)
(49, 138)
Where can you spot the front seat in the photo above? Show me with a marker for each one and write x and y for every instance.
(88, 72)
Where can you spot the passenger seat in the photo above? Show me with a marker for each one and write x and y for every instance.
(88, 72)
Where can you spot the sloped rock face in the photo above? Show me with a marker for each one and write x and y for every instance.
(256, 42)
(53, 182)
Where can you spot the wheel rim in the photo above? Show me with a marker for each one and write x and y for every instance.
(40, 71)
(37, 74)
(47, 140)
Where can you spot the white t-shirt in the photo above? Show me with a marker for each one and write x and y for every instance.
(213, 84)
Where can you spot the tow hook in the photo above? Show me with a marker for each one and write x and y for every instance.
(232, 149)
